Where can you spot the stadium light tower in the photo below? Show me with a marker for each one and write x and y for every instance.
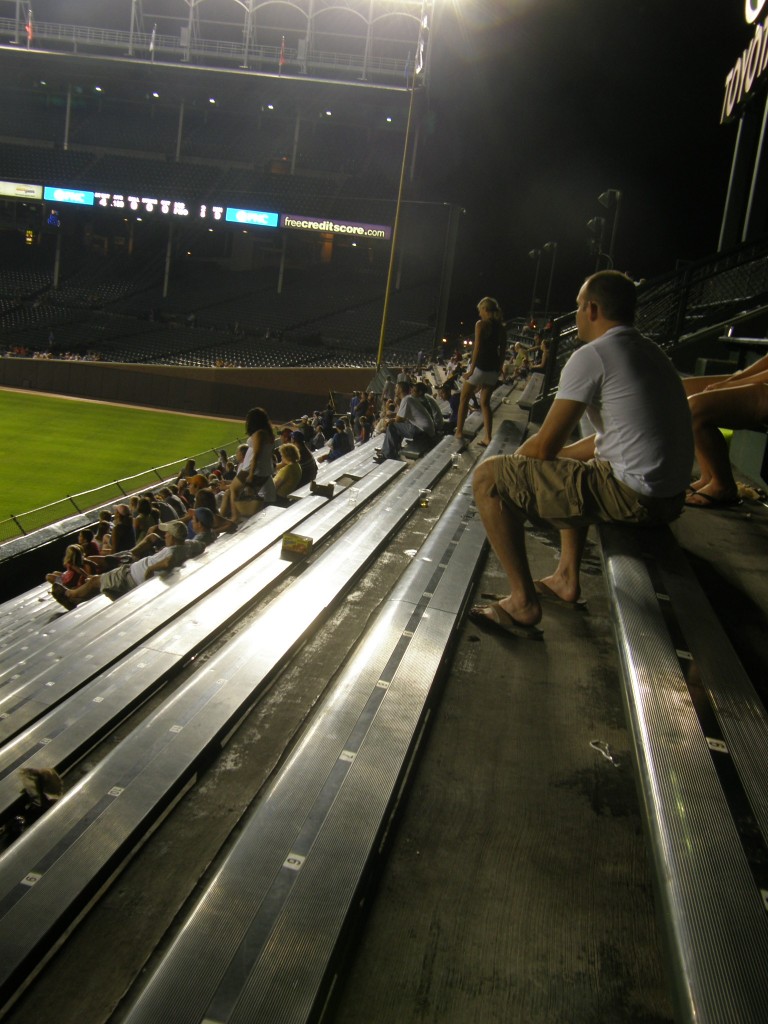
(611, 200)
(550, 247)
(419, 71)
(535, 254)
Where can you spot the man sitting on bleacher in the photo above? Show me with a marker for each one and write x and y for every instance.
(412, 420)
(633, 469)
(116, 582)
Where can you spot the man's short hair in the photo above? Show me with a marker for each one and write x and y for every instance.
(614, 293)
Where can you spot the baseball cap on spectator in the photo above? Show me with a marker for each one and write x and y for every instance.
(176, 528)
(204, 516)
(122, 510)
(297, 435)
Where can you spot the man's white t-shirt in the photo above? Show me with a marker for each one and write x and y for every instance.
(636, 403)
(412, 410)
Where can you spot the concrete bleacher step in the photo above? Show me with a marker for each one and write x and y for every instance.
(52, 874)
(700, 739)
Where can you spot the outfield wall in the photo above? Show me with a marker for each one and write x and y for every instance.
(203, 391)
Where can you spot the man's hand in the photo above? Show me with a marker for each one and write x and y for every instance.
(555, 431)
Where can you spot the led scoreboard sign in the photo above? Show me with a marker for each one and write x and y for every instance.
(205, 211)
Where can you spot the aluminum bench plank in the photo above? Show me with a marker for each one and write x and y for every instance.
(711, 907)
(50, 876)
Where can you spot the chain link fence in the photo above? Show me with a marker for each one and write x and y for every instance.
(106, 494)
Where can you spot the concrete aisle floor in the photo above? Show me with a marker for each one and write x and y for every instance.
(517, 889)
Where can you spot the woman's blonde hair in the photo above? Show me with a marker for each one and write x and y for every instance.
(74, 556)
(491, 304)
(290, 453)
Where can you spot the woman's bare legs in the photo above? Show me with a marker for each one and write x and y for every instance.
(735, 408)
(467, 390)
(485, 408)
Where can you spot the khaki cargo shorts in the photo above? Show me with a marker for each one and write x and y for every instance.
(567, 493)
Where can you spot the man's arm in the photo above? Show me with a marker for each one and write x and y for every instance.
(555, 431)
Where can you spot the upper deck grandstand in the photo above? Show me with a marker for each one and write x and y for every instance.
(246, 196)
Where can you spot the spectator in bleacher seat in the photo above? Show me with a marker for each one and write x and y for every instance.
(353, 404)
(738, 401)
(403, 376)
(411, 420)
(205, 497)
(426, 399)
(287, 472)
(120, 580)
(388, 414)
(103, 528)
(448, 401)
(88, 543)
(190, 469)
(123, 536)
(284, 437)
(340, 443)
(143, 518)
(318, 439)
(221, 463)
(633, 469)
(348, 431)
(74, 568)
(173, 501)
(364, 430)
(306, 458)
(203, 530)
(484, 367)
(388, 391)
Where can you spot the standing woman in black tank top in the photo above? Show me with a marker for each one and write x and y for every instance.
(485, 365)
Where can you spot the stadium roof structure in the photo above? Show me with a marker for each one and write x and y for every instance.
(368, 43)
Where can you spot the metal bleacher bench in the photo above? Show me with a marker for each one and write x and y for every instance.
(52, 874)
(700, 742)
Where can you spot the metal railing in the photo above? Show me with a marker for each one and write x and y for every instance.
(106, 494)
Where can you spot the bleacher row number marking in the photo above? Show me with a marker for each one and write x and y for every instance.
(348, 756)
(294, 861)
(685, 655)
(32, 878)
(663, 597)
(717, 745)
(115, 791)
(383, 683)
(51, 682)
(176, 728)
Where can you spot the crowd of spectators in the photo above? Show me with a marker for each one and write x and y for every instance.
(156, 530)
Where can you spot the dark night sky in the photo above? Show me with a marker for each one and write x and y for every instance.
(540, 105)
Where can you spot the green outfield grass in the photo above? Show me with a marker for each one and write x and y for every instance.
(52, 447)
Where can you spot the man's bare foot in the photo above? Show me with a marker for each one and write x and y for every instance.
(712, 497)
(527, 615)
(557, 588)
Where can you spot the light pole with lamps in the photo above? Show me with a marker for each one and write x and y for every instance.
(550, 247)
(535, 254)
(611, 199)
